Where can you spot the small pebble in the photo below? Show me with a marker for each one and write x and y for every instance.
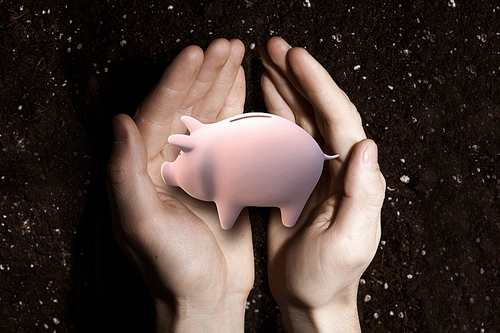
(405, 179)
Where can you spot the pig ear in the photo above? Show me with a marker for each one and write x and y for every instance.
(183, 142)
(191, 123)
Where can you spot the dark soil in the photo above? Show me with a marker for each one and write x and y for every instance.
(423, 74)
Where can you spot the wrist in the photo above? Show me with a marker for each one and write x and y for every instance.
(227, 315)
(336, 317)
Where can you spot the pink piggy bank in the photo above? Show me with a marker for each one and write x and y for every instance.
(252, 159)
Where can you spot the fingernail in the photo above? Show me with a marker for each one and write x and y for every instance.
(370, 157)
(119, 133)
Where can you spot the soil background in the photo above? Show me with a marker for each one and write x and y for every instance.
(423, 74)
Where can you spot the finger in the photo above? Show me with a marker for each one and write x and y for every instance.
(156, 117)
(278, 66)
(273, 54)
(130, 187)
(212, 102)
(341, 122)
(235, 101)
(215, 58)
(357, 219)
(275, 103)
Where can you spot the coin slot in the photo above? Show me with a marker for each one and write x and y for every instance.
(251, 116)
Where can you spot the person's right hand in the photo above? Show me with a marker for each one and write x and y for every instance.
(199, 274)
(315, 266)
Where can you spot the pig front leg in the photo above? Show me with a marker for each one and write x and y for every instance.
(227, 214)
(167, 174)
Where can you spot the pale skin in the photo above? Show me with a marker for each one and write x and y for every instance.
(199, 274)
(314, 267)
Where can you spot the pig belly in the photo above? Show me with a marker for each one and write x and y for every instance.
(272, 186)
(266, 174)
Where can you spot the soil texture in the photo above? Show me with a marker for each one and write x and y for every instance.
(424, 76)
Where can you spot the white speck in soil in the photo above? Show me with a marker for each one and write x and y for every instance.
(405, 179)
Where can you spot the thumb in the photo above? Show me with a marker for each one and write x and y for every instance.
(128, 155)
(129, 184)
(358, 217)
(363, 182)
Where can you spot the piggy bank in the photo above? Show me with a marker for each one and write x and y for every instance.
(252, 159)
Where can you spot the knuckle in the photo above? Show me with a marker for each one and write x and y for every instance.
(374, 192)
(360, 257)
(115, 171)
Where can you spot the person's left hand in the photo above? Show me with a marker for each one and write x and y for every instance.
(315, 267)
(199, 274)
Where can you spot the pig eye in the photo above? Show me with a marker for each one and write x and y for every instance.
(180, 153)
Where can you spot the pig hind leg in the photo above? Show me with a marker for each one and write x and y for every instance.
(227, 214)
(290, 214)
